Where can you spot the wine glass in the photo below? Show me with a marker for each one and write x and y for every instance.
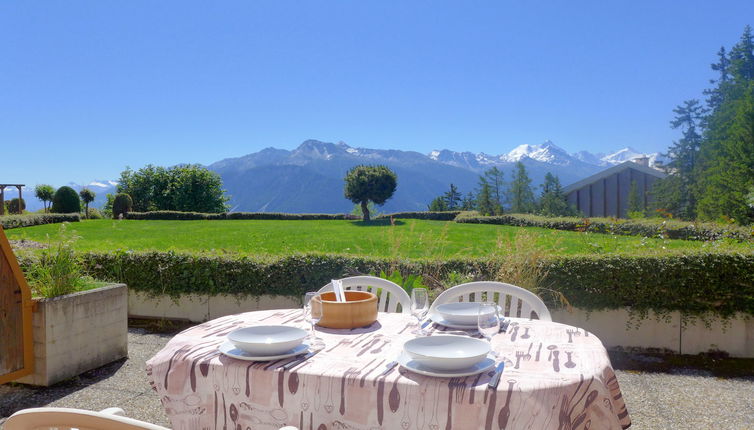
(419, 307)
(488, 322)
(312, 315)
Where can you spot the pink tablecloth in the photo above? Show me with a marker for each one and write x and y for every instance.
(560, 378)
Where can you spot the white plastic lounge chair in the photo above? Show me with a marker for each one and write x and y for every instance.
(520, 305)
(389, 293)
(79, 419)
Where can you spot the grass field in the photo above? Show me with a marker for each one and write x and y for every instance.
(408, 238)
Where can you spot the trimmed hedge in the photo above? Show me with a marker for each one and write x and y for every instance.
(670, 229)
(433, 216)
(717, 283)
(187, 216)
(16, 221)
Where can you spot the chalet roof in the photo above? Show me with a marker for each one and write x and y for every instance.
(611, 171)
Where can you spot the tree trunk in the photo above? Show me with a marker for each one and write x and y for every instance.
(87, 211)
(365, 210)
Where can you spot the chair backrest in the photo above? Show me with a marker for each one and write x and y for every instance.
(515, 301)
(389, 294)
(67, 418)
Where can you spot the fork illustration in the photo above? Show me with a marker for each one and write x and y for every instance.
(519, 356)
(571, 333)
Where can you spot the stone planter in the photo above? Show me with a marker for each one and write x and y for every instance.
(78, 332)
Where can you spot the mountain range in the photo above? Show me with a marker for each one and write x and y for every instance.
(310, 177)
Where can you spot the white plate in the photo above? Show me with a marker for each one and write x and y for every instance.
(447, 352)
(405, 361)
(437, 318)
(230, 350)
(461, 312)
(267, 339)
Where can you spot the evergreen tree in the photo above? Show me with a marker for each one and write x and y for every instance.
(552, 201)
(484, 202)
(437, 205)
(452, 198)
(469, 202)
(45, 193)
(520, 194)
(677, 192)
(87, 196)
(635, 201)
(725, 167)
(494, 178)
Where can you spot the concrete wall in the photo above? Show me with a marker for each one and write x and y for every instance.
(201, 307)
(609, 326)
(78, 332)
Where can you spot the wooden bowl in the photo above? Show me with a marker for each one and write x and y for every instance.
(359, 310)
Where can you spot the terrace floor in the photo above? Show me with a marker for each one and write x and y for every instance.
(675, 398)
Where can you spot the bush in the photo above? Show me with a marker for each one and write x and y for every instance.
(718, 283)
(12, 206)
(187, 216)
(94, 213)
(652, 227)
(15, 221)
(122, 205)
(66, 200)
(435, 216)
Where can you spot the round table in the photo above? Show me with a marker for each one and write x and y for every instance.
(559, 377)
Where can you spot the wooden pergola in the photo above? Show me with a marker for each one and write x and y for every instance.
(2, 196)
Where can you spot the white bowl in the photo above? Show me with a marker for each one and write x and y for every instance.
(466, 313)
(447, 352)
(267, 339)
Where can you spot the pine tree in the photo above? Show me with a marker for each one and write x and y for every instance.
(635, 201)
(725, 167)
(484, 202)
(437, 205)
(552, 201)
(520, 194)
(469, 202)
(677, 192)
(494, 178)
(452, 198)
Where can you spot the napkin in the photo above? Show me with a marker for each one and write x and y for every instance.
(337, 287)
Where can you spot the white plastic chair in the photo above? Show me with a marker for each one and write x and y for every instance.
(515, 301)
(389, 293)
(79, 419)
(67, 418)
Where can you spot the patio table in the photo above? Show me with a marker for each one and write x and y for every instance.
(559, 377)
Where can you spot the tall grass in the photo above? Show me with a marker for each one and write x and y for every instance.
(58, 271)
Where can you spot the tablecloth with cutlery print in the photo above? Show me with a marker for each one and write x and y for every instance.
(559, 377)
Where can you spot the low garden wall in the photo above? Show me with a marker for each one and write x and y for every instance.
(611, 294)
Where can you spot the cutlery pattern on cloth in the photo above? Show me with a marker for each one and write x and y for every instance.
(560, 377)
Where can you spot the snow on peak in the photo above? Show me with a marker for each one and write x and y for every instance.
(546, 152)
(434, 155)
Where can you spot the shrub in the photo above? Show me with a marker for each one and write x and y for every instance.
(122, 205)
(187, 216)
(15, 206)
(436, 216)
(15, 221)
(697, 284)
(66, 200)
(58, 271)
(95, 213)
(653, 227)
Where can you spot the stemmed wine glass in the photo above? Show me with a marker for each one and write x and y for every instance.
(488, 322)
(312, 315)
(419, 307)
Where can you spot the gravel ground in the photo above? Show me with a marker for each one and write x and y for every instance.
(678, 399)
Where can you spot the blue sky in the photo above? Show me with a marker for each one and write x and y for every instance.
(87, 88)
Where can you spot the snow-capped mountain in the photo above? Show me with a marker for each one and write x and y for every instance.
(546, 152)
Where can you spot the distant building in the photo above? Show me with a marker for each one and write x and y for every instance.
(605, 194)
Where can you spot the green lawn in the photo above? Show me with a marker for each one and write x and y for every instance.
(408, 238)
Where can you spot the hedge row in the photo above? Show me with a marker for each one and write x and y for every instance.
(670, 229)
(28, 220)
(184, 216)
(719, 283)
(434, 216)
